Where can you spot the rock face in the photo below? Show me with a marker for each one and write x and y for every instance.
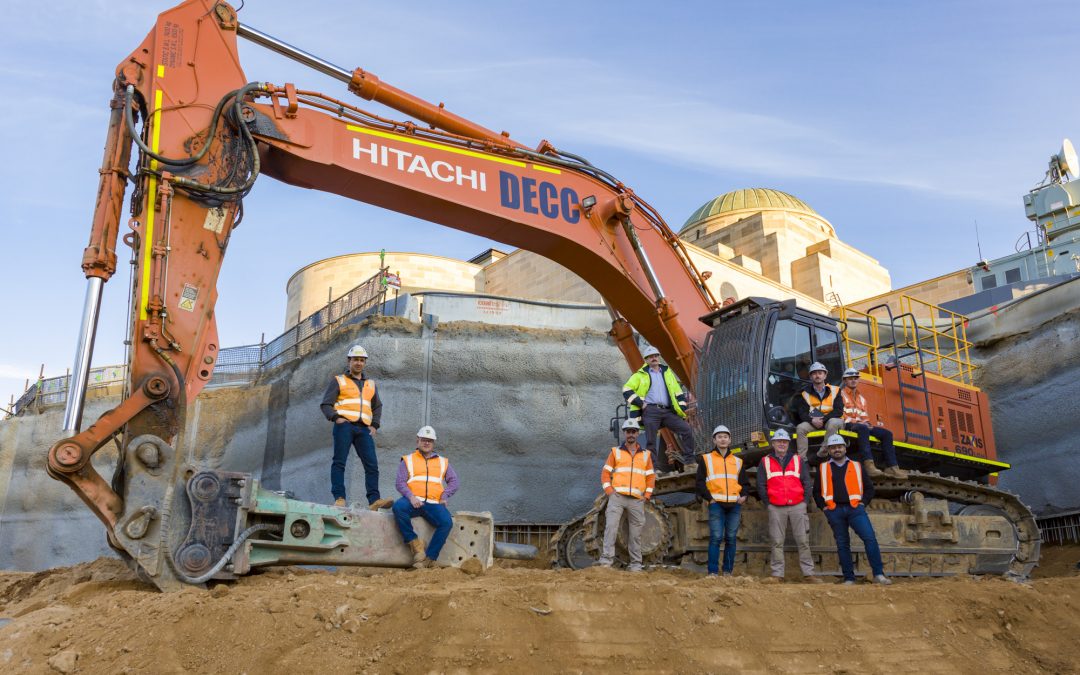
(522, 415)
(1031, 372)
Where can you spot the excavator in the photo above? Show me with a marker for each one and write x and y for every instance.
(203, 134)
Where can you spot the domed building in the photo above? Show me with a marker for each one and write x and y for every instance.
(780, 237)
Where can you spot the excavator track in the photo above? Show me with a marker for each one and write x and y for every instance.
(972, 493)
(563, 544)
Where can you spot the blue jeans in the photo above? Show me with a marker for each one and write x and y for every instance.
(884, 435)
(358, 436)
(840, 519)
(723, 521)
(436, 514)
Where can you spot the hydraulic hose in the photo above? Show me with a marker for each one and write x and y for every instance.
(184, 161)
(224, 560)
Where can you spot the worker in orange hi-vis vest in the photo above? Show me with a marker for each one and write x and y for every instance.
(352, 403)
(783, 483)
(843, 490)
(857, 418)
(628, 479)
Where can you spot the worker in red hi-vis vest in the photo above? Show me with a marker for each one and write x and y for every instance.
(843, 491)
(783, 482)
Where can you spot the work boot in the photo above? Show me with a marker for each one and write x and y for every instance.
(846, 582)
(340, 501)
(418, 555)
(383, 503)
(604, 562)
(823, 451)
(883, 580)
(812, 580)
(896, 472)
(871, 469)
(773, 580)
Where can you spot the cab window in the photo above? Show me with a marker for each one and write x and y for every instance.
(827, 351)
(789, 362)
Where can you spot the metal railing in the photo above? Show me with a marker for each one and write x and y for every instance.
(946, 349)
(1061, 528)
(861, 354)
(237, 365)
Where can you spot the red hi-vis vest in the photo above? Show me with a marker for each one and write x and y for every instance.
(825, 405)
(852, 479)
(629, 474)
(352, 404)
(854, 408)
(784, 485)
(722, 477)
(427, 476)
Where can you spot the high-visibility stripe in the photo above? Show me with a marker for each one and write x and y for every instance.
(435, 146)
(148, 237)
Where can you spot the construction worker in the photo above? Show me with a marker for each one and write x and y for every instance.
(654, 398)
(843, 490)
(783, 483)
(426, 482)
(857, 419)
(818, 406)
(628, 479)
(352, 403)
(721, 479)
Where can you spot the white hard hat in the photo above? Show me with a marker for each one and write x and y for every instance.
(426, 432)
(631, 424)
(780, 435)
(721, 429)
(851, 372)
(817, 365)
(357, 350)
(835, 439)
(649, 351)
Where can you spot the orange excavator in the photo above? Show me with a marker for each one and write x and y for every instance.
(203, 134)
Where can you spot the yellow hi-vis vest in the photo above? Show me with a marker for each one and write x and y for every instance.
(427, 476)
(722, 477)
(629, 474)
(852, 480)
(825, 405)
(352, 404)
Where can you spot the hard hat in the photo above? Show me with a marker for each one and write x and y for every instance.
(816, 365)
(426, 432)
(649, 351)
(357, 350)
(780, 435)
(851, 372)
(835, 439)
(721, 429)
(631, 424)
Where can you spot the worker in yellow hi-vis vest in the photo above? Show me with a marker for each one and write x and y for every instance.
(352, 403)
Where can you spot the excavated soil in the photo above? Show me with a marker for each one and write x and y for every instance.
(97, 618)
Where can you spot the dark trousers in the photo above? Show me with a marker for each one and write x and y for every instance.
(723, 524)
(359, 436)
(655, 418)
(840, 519)
(436, 514)
(865, 431)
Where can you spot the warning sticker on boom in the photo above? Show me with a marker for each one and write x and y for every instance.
(188, 298)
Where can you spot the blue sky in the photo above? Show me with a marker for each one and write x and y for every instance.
(902, 123)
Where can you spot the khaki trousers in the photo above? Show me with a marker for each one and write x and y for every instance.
(635, 513)
(832, 426)
(779, 519)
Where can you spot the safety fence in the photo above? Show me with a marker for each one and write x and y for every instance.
(1060, 528)
(537, 534)
(238, 365)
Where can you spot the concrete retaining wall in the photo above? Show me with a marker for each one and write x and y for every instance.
(522, 415)
(494, 309)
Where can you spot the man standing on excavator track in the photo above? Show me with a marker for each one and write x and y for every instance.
(352, 403)
(426, 482)
(655, 399)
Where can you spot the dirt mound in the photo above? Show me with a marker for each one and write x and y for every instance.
(96, 618)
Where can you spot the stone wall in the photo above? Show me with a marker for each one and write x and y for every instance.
(523, 274)
(935, 291)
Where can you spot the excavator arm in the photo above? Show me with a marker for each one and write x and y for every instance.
(204, 134)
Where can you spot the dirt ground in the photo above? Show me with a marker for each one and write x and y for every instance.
(96, 618)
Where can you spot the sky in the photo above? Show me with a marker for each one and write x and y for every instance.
(904, 124)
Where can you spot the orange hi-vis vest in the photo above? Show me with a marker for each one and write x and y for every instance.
(629, 473)
(825, 405)
(854, 408)
(852, 479)
(722, 477)
(427, 476)
(352, 404)
(784, 485)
